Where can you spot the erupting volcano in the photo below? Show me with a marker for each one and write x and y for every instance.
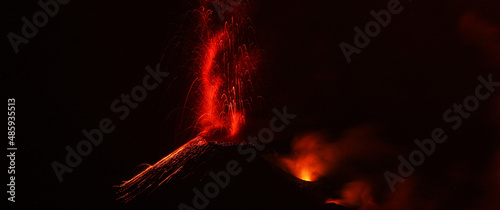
(225, 62)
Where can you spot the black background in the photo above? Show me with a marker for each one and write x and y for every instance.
(66, 77)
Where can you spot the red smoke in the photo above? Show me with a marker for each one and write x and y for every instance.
(481, 33)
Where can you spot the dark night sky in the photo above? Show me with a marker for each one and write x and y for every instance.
(66, 77)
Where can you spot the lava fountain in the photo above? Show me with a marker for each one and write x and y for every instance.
(226, 66)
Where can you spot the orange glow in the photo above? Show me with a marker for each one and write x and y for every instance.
(316, 154)
(313, 158)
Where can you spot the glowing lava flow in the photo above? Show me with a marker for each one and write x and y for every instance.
(162, 171)
(225, 62)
